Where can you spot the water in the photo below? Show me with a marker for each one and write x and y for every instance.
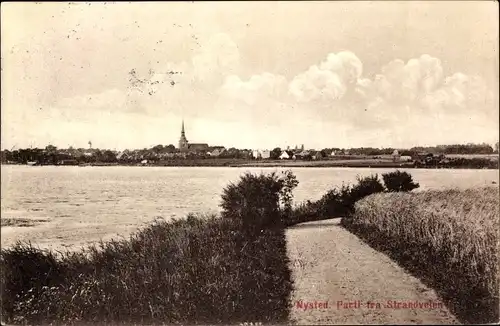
(84, 204)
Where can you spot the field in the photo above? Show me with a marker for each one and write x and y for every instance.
(448, 238)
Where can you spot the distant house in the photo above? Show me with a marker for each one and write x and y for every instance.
(405, 158)
(198, 147)
(304, 155)
(265, 154)
(216, 152)
(286, 155)
(396, 156)
(316, 155)
(212, 148)
(261, 154)
(122, 156)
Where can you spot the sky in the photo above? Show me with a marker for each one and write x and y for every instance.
(249, 75)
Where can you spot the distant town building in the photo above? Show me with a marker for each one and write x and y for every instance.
(261, 154)
(198, 147)
(183, 142)
(316, 155)
(303, 155)
(285, 155)
(217, 151)
(265, 154)
(185, 146)
(123, 156)
(396, 156)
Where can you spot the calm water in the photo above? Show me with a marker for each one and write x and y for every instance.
(94, 202)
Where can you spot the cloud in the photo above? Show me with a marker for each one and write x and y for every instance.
(265, 85)
(404, 93)
(405, 103)
(462, 94)
(329, 80)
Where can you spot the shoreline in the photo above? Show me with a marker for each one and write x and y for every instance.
(271, 164)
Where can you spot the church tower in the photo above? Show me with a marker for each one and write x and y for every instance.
(183, 142)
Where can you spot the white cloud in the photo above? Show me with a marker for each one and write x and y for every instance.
(255, 89)
(329, 80)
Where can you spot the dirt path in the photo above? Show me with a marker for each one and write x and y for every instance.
(330, 265)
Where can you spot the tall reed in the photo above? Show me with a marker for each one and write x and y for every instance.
(449, 238)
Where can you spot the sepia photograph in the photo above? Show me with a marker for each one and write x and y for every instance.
(250, 163)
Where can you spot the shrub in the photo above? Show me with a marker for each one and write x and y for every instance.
(304, 212)
(255, 200)
(447, 238)
(195, 270)
(289, 182)
(340, 202)
(365, 187)
(399, 181)
(336, 202)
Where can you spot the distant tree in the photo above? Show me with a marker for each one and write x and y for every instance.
(170, 148)
(496, 147)
(50, 148)
(108, 156)
(275, 153)
(158, 148)
(5, 155)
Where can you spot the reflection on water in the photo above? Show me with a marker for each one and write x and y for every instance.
(116, 200)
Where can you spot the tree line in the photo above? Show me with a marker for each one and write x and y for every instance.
(52, 155)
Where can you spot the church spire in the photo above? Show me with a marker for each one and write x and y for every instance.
(183, 142)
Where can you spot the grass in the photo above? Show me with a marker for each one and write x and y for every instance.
(448, 238)
(198, 270)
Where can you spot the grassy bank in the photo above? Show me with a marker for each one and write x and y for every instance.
(449, 239)
(199, 270)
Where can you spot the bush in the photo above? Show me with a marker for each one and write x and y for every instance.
(399, 181)
(338, 202)
(365, 187)
(196, 270)
(289, 182)
(304, 212)
(255, 200)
